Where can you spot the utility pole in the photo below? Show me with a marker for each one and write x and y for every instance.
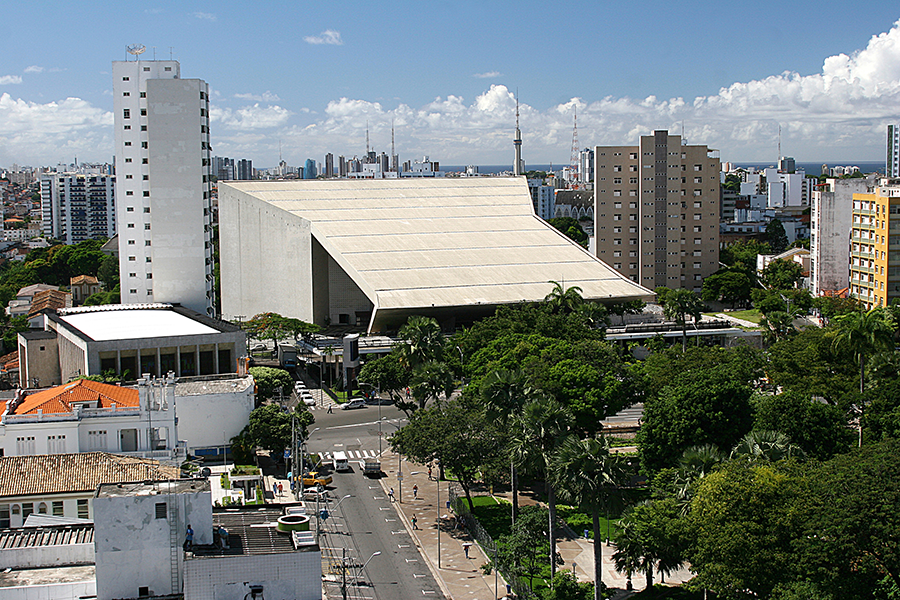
(344, 573)
(294, 456)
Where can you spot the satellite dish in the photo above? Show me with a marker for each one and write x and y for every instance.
(205, 472)
(136, 49)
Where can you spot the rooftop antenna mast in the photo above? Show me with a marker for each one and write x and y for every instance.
(517, 142)
(367, 137)
(574, 163)
(779, 142)
(393, 151)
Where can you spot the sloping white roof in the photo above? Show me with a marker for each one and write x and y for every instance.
(415, 243)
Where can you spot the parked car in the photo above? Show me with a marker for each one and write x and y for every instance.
(308, 400)
(356, 403)
(376, 400)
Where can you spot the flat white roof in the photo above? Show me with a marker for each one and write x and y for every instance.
(414, 243)
(107, 325)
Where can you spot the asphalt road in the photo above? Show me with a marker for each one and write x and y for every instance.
(366, 523)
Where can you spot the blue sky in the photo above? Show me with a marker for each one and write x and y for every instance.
(310, 75)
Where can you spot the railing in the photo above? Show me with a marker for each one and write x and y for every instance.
(484, 539)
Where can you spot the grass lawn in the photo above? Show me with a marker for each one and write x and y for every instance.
(659, 591)
(494, 515)
(747, 315)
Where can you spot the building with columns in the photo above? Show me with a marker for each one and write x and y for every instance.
(129, 340)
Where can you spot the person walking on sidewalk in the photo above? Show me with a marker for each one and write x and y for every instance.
(391, 494)
(429, 472)
(415, 522)
(329, 409)
(466, 547)
(415, 492)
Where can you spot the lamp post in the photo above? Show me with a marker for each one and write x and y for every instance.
(363, 568)
(302, 442)
(399, 465)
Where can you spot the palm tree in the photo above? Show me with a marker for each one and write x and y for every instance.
(424, 341)
(543, 425)
(765, 445)
(430, 380)
(865, 334)
(564, 300)
(586, 472)
(695, 463)
(504, 392)
(680, 304)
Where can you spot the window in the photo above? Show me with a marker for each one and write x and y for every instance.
(83, 509)
(149, 275)
(697, 241)
(25, 445)
(125, 79)
(696, 265)
(130, 225)
(617, 265)
(126, 113)
(168, 68)
(143, 94)
(698, 167)
(146, 193)
(146, 69)
(127, 143)
(617, 205)
(126, 93)
(128, 160)
(27, 509)
(42, 508)
(143, 112)
(144, 161)
(132, 274)
(144, 145)
(146, 242)
(131, 259)
(4, 516)
(58, 508)
(697, 228)
(617, 168)
(56, 444)
(97, 439)
(146, 225)
(127, 127)
(146, 209)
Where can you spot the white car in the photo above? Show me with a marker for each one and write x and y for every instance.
(308, 399)
(357, 403)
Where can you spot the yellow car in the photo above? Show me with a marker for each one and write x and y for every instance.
(313, 479)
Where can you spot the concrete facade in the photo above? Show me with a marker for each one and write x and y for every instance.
(285, 575)
(135, 529)
(656, 211)
(831, 214)
(163, 197)
(75, 208)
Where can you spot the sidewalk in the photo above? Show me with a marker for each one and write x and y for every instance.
(458, 576)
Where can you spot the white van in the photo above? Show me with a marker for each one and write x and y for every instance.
(340, 462)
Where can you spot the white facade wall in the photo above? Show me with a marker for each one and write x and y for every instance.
(51, 591)
(37, 557)
(126, 562)
(209, 420)
(296, 575)
(163, 204)
(831, 218)
(75, 208)
(71, 501)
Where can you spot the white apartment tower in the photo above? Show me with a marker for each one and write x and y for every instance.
(892, 165)
(75, 207)
(163, 195)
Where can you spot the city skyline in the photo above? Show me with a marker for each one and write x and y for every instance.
(447, 79)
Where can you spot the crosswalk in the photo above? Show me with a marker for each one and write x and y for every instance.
(353, 454)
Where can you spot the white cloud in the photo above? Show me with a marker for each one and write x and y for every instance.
(10, 79)
(42, 133)
(251, 117)
(34, 69)
(329, 36)
(487, 75)
(204, 15)
(266, 96)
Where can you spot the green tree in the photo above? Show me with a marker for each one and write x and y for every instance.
(864, 334)
(269, 427)
(810, 363)
(271, 383)
(678, 305)
(765, 445)
(650, 536)
(743, 529)
(566, 587)
(388, 375)
(272, 326)
(782, 274)
(743, 364)
(776, 236)
(704, 407)
(523, 553)
(456, 434)
(423, 342)
(571, 228)
(430, 380)
(108, 272)
(732, 183)
(586, 473)
(742, 255)
(818, 428)
(727, 286)
(564, 300)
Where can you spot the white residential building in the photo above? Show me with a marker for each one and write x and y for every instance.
(163, 196)
(543, 198)
(892, 164)
(831, 215)
(75, 208)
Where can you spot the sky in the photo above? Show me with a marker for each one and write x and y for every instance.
(299, 79)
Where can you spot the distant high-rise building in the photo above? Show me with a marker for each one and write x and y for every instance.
(586, 166)
(163, 205)
(342, 167)
(892, 166)
(787, 164)
(243, 170)
(656, 211)
(329, 165)
(309, 169)
(75, 208)
(831, 221)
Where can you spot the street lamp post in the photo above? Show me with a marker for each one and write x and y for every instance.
(399, 465)
(363, 568)
(302, 442)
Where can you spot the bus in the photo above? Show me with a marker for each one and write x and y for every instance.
(340, 462)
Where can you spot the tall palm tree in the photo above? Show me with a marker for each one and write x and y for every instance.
(543, 425)
(424, 341)
(680, 304)
(586, 473)
(865, 334)
(765, 445)
(564, 300)
(504, 393)
(430, 380)
(695, 463)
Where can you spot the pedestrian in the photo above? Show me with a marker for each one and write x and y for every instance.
(275, 489)
(466, 548)
(280, 489)
(415, 522)
(429, 472)
(407, 392)
(223, 538)
(391, 494)
(329, 409)
(415, 492)
(189, 538)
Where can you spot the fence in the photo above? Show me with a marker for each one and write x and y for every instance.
(470, 521)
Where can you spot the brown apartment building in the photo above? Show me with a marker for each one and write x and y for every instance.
(656, 211)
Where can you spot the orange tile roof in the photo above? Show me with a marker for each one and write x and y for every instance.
(60, 399)
(82, 472)
(83, 279)
(53, 299)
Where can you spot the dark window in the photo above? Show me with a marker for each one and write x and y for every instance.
(160, 510)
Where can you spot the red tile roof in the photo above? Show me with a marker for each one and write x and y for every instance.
(83, 280)
(82, 472)
(60, 399)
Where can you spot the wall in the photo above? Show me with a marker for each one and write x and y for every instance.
(207, 420)
(296, 575)
(47, 556)
(41, 361)
(52, 591)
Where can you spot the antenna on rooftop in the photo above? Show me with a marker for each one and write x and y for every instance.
(154, 52)
(575, 149)
(779, 142)
(136, 50)
(171, 49)
(392, 137)
(367, 137)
